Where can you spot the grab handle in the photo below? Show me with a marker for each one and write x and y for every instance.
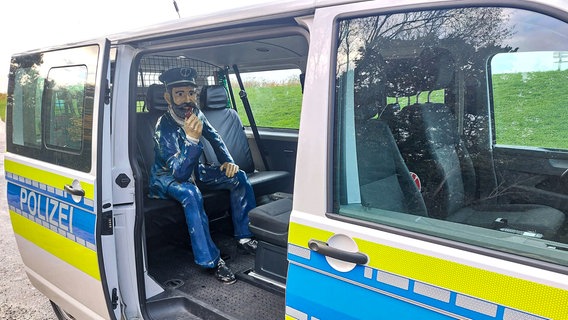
(326, 250)
(76, 192)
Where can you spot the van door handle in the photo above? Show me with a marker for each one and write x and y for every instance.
(76, 192)
(326, 250)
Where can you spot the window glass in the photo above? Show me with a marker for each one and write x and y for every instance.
(413, 126)
(50, 105)
(27, 120)
(275, 98)
(65, 107)
(152, 66)
(529, 90)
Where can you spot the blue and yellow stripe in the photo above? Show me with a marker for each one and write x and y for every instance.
(50, 218)
(54, 180)
(433, 287)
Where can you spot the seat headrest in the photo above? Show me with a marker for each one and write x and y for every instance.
(433, 69)
(213, 97)
(155, 98)
(439, 68)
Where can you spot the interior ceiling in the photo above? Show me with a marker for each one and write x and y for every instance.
(266, 54)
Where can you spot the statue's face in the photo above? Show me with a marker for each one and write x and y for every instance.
(182, 100)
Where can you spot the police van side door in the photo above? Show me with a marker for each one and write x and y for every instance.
(56, 162)
(357, 248)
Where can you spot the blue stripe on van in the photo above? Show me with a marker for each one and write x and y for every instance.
(317, 290)
(53, 209)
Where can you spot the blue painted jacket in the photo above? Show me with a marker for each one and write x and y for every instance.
(176, 157)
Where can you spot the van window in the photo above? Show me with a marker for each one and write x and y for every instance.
(50, 106)
(275, 98)
(414, 120)
(529, 90)
(27, 120)
(65, 109)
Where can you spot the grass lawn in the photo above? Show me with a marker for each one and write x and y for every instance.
(531, 109)
(275, 106)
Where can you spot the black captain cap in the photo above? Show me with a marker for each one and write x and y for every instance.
(179, 77)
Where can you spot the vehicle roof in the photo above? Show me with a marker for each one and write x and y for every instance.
(272, 9)
(247, 14)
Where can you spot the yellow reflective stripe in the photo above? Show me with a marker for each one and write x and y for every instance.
(65, 249)
(49, 178)
(505, 290)
(300, 234)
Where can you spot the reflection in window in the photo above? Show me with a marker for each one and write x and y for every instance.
(413, 123)
(65, 107)
(50, 101)
(28, 90)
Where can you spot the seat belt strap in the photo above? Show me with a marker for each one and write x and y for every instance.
(231, 94)
(246, 105)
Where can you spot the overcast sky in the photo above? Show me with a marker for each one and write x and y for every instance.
(32, 24)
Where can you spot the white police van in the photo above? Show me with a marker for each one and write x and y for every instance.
(426, 176)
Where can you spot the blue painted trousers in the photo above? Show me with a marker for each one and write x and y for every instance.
(205, 251)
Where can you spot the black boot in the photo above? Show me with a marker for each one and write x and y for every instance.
(248, 246)
(223, 273)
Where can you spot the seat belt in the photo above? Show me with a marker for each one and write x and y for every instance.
(231, 94)
(246, 105)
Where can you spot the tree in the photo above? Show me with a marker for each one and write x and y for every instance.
(384, 49)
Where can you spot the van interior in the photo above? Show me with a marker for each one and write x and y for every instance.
(266, 153)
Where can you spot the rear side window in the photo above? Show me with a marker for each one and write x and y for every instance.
(50, 106)
(421, 96)
(26, 119)
(527, 88)
(275, 98)
(64, 102)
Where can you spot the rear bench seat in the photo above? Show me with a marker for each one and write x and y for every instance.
(213, 103)
(165, 216)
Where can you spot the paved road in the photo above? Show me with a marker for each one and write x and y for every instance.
(18, 299)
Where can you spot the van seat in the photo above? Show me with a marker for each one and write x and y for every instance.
(433, 149)
(385, 181)
(226, 121)
(270, 221)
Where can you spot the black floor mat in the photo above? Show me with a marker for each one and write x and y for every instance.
(174, 269)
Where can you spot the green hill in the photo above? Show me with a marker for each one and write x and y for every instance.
(531, 109)
(274, 106)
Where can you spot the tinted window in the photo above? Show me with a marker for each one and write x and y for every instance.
(65, 108)
(50, 106)
(416, 109)
(26, 120)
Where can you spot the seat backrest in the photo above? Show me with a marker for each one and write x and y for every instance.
(384, 179)
(214, 104)
(427, 134)
(146, 126)
(428, 138)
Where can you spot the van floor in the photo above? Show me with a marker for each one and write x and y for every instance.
(193, 293)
